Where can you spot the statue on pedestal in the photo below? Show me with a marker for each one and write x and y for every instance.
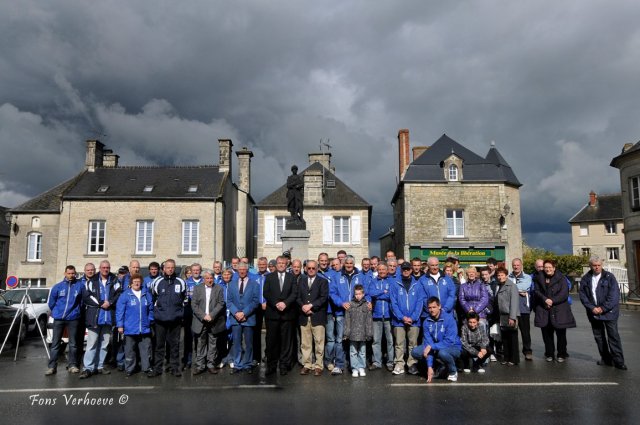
(295, 200)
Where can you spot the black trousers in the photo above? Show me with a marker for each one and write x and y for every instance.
(279, 343)
(468, 358)
(525, 331)
(257, 336)
(168, 333)
(549, 343)
(605, 332)
(510, 345)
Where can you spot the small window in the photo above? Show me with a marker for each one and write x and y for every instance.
(193, 188)
(103, 189)
(331, 183)
(97, 237)
(190, 236)
(610, 228)
(634, 182)
(281, 226)
(148, 188)
(34, 247)
(453, 173)
(586, 252)
(341, 229)
(35, 222)
(584, 230)
(613, 254)
(455, 223)
(144, 237)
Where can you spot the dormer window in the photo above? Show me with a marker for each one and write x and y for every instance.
(148, 188)
(193, 188)
(103, 189)
(453, 173)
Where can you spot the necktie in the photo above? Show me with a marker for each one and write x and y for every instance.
(281, 280)
(310, 283)
(241, 286)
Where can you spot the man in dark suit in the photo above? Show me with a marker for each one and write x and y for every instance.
(209, 322)
(280, 294)
(313, 294)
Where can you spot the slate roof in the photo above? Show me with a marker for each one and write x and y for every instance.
(340, 196)
(428, 166)
(607, 208)
(615, 162)
(169, 183)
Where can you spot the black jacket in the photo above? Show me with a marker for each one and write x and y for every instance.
(318, 296)
(169, 293)
(273, 295)
(559, 314)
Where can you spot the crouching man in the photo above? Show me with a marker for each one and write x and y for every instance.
(440, 341)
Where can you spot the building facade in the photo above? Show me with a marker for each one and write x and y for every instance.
(598, 229)
(628, 162)
(190, 213)
(5, 233)
(452, 202)
(336, 216)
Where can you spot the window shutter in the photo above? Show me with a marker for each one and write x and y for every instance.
(327, 230)
(269, 229)
(356, 230)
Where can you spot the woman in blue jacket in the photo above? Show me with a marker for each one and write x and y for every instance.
(134, 315)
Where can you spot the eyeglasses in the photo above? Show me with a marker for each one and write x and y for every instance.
(311, 268)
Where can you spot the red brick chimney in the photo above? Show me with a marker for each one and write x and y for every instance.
(403, 151)
(593, 199)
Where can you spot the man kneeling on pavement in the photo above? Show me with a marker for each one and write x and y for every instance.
(440, 342)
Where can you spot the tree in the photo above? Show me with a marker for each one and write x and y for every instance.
(571, 265)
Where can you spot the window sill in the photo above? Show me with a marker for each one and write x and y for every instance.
(189, 255)
(149, 255)
(456, 238)
(96, 255)
(32, 262)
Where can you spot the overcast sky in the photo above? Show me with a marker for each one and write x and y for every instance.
(555, 84)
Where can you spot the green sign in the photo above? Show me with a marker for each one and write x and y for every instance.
(465, 255)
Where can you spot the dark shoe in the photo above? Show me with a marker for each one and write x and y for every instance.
(153, 374)
(128, 374)
(317, 372)
(250, 371)
(235, 371)
(121, 368)
(197, 372)
(603, 363)
(390, 367)
(303, 371)
(374, 366)
(176, 373)
(84, 374)
(413, 370)
(213, 370)
(270, 371)
(283, 372)
(104, 372)
(50, 371)
(621, 366)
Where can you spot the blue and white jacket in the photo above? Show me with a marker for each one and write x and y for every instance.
(378, 291)
(444, 289)
(133, 314)
(341, 290)
(65, 300)
(169, 292)
(440, 333)
(406, 303)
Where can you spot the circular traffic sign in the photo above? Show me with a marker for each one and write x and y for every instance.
(12, 281)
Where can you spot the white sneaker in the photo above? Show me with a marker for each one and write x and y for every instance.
(493, 358)
(354, 373)
(231, 365)
(466, 370)
(336, 371)
(481, 370)
(453, 377)
(362, 372)
(330, 367)
(398, 370)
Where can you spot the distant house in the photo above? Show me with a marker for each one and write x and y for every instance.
(451, 201)
(4, 246)
(189, 213)
(628, 162)
(598, 229)
(336, 216)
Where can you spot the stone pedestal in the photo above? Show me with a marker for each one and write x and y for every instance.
(297, 243)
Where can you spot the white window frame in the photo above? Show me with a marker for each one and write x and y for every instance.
(585, 251)
(93, 246)
(144, 236)
(190, 237)
(453, 173)
(634, 191)
(584, 229)
(455, 223)
(34, 247)
(610, 228)
(280, 223)
(613, 253)
(343, 226)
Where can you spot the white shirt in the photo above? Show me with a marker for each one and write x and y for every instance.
(435, 276)
(594, 284)
(207, 291)
(137, 293)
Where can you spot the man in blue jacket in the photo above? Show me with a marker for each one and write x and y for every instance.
(379, 293)
(600, 295)
(65, 302)
(441, 341)
(437, 284)
(169, 292)
(243, 300)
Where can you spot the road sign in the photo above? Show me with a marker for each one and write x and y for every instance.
(12, 281)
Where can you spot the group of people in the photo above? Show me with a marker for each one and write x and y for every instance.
(405, 316)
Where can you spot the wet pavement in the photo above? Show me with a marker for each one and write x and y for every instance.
(577, 391)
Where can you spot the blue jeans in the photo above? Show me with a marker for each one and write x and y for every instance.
(357, 354)
(100, 336)
(381, 326)
(334, 351)
(56, 342)
(447, 355)
(242, 359)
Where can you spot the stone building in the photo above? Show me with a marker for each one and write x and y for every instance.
(598, 229)
(336, 216)
(4, 246)
(451, 201)
(189, 213)
(628, 162)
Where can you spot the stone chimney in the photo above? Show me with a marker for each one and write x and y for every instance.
(593, 199)
(626, 147)
(109, 159)
(244, 169)
(419, 150)
(224, 147)
(313, 187)
(323, 158)
(403, 151)
(94, 155)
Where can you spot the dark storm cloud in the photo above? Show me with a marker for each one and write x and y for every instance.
(554, 84)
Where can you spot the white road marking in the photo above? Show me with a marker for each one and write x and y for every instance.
(508, 384)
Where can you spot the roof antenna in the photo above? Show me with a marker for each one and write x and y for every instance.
(493, 143)
(328, 146)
